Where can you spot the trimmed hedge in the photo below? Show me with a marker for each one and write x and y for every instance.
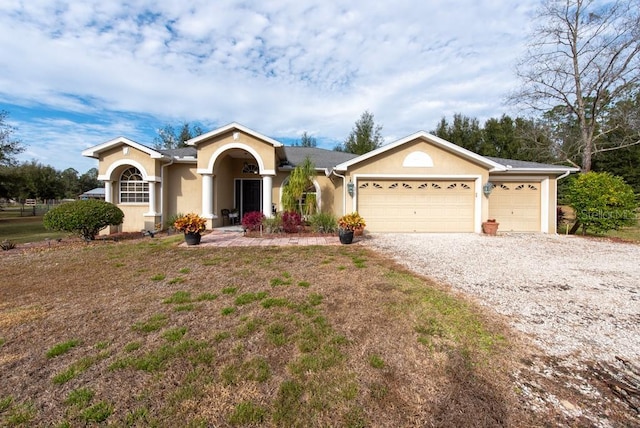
(85, 218)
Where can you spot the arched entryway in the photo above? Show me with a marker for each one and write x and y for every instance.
(236, 180)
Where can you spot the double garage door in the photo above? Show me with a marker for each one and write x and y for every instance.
(417, 205)
(516, 206)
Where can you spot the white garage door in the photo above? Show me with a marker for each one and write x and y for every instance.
(516, 206)
(417, 205)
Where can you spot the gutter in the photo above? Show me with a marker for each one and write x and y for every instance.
(162, 210)
(344, 188)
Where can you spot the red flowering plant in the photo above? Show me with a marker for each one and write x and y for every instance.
(252, 220)
(351, 222)
(190, 223)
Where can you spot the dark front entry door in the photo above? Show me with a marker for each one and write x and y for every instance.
(248, 196)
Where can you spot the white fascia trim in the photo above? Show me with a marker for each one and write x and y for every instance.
(544, 205)
(536, 178)
(494, 166)
(93, 152)
(234, 125)
(543, 170)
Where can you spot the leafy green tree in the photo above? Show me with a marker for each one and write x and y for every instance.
(168, 138)
(89, 180)
(70, 183)
(602, 202)
(504, 137)
(364, 137)
(85, 218)
(583, 56)
(463, 131)
(9, 147)
(307, 141)
(300, 181)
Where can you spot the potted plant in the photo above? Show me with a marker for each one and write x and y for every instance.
(347, 224)
(192, 225)
(490, 227)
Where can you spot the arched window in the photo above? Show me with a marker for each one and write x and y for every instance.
(132, 187)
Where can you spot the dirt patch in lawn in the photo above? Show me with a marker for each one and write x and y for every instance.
(142, 332)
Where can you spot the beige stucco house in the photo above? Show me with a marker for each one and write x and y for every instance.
(420, 183)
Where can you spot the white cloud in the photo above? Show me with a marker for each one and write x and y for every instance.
(273, 66)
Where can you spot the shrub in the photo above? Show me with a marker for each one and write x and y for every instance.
(272, 224)
(323, 223)
(351, 221)
(85, 218)
(291, 221)
(252, 220)
(602, 202)
(190, 223)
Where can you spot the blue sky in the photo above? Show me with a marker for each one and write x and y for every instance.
(77, 74)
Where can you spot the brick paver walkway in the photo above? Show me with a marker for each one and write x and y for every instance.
(237, 239)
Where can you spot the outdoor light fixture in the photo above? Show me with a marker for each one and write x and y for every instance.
(350, 188)
(487, 188)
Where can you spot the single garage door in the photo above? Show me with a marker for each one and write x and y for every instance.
(417, 206)
(516, 206)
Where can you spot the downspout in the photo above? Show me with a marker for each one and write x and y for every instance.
(560, 177)
(162, 210)
(344, 189)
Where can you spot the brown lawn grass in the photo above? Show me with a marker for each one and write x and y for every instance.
(146, 333)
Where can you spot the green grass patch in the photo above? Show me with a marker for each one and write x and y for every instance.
(184, 308)
(250, 326)
(26, 229)
(246, 298)
(158, 277)
(2, 341)
(177, 280)
(376, 361)
(62, 348)
(157, 359)
(154, 323)
(20, 414)
(305, 284)
(79, 397)
(174, 334)
(228, 310)
(178, 297)
(97, 413)
(132, 346)
(247, 413)
(184, 270)
(77, 368)
(288, 403)
(229, 290)
(271, 302)
(5, 403)
(256, 369)
(219, 337)
(276, 334)
(206, 297)
(102, 345)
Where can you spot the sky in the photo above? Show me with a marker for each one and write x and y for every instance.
(77, 74)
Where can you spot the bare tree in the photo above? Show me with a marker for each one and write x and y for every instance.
(584, 57)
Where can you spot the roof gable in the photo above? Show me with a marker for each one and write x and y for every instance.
(94, 152)
(230, 127)
(437, 141)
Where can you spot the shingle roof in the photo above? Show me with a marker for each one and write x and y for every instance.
(180, 152)
(322, 158)
(525, 164)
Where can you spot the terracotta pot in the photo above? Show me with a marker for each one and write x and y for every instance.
(359, 231)
(192, 238)
(490, 227)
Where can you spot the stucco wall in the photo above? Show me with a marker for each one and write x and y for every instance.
(183, 192)
(265, 150)
(109, 157)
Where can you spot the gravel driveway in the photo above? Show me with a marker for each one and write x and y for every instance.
(574, 296)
